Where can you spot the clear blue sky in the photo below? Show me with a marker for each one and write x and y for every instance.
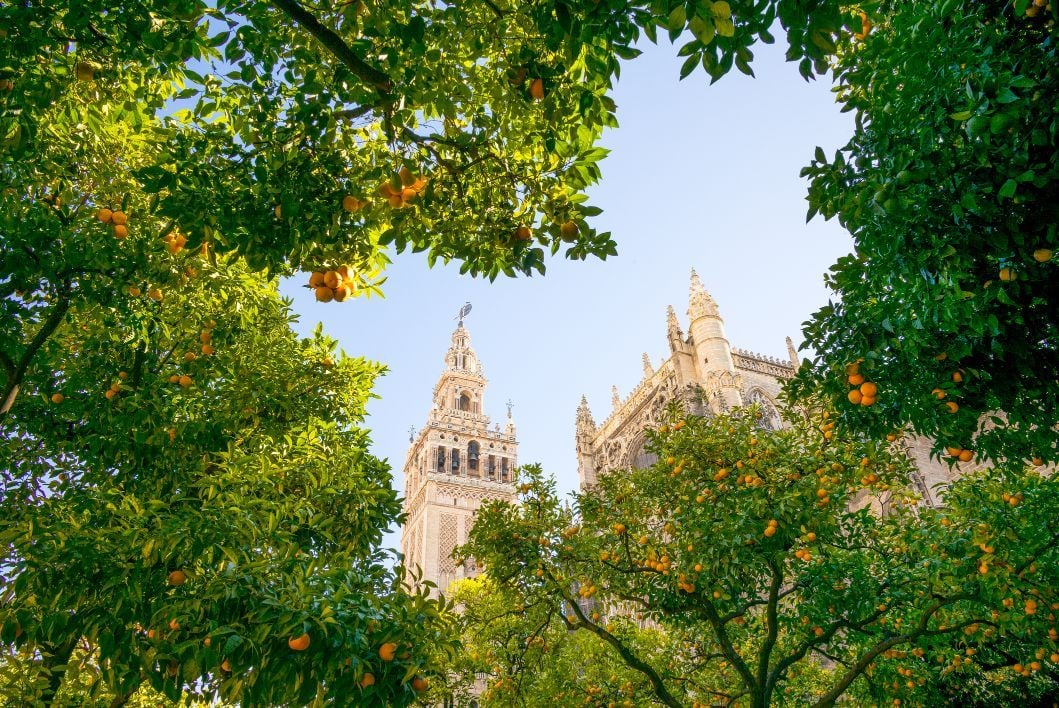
(699, 176)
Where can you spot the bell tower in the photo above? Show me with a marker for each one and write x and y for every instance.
(453, 464)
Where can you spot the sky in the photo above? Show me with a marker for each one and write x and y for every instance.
(699, 176)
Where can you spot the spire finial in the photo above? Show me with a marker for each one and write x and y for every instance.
(464, 311)
(700, 304)
(510, 404)
(615, 399)
(792, 352)
(411, 434)
(648, 370)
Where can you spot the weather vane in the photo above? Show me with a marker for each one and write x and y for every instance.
(464, 311)
(411, 434)
(509, 406)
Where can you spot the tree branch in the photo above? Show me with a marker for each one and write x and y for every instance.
(771, 627)
(336, 45)
(14, 380)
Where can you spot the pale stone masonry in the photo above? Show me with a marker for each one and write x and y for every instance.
(454, 464)
(707, 375)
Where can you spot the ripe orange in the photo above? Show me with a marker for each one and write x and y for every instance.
(420, 684)
(120, 232)
(1043, 255)
(185, 381)
(177, 577)
(119, 218)
(855, 379)
(207, 350)
(325, 294)
(299, 643)
(939, 393)
(327, 362)
(770, 531)
(537, 89)
(190, 356)
(387, 651)
(205, 336)
(524, 233)
(869, 389)
(226, 666)
(867, 401)
(206, 642)
(331, 279)
(110, 393)
(134, 291)
(278, 211)
(105, 215)
(957, 376)
(619, 528)
(408, 193)
(952, 406)
(1007, 274)
(568, 231)
(367, 680)
(855, 396)
(174, 624)
(57, 398)
(155, 294)
(351, 203)
(954, 451)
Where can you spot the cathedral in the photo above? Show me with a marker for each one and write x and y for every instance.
(705, 374)
(456, 462)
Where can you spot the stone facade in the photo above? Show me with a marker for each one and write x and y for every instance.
(707, 375)
(454, 464)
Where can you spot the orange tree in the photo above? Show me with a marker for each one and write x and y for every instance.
(187, 500)
(762, 546)
(950, 303)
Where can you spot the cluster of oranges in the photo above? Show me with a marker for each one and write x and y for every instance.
(174, 241)
(1037, 7)
(337, 285)
(183, 380)
(115, 388)
(770, 530)
(206, 338)
(411, 187)
(118, 221)
(864, 393)
(153, 293)
(959, 453)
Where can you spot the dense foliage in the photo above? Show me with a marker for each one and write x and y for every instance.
(185, 490)
(764, 550)
(950, 187)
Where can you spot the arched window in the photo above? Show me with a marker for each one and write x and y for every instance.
(472, 456)
(455, 461)
(465, 402)
(769, 417)
(642, 457)
(441, 459)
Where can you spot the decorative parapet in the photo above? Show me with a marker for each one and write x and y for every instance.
(476, 432)
(751, 361)
(634, 400)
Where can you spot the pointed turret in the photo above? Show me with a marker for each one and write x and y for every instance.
(648, 370)
(585, 433)
(673, 331)
(615, 399)
(713, 353)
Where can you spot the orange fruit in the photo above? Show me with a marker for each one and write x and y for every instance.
(1043, 255)
(327, 362)
(104, 215)
(387, 651)
(568, 231)
(952, 406)
(207, 350)
(367, 680)
(205, 336)
(226, 666)
(351, 203)
(155, 294)
(1038, 462)
(537, 89)
(119, 218)
(110, 393)
(855, 379)
(57, 398)
(855, 396)
(190, 356)
(206, 642)
(865, 27)
(134, 291)
(869, 389)
(966, 455)
(954, 451)
(174, 379)
(177, 577)
(185, 380)
(325, 294)
(120, 232)
(770, 531)
(395, 201)
(957, 376)
(1007, 274)
(331, 279)
(278, 211)
(174, 624)
(867, 401)
(420, 684)
(939, 393)
(408, 193)
(299, 643)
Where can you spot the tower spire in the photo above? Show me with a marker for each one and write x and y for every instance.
(648, 370)
(673, 333)
(792, 352)
(700, 303)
